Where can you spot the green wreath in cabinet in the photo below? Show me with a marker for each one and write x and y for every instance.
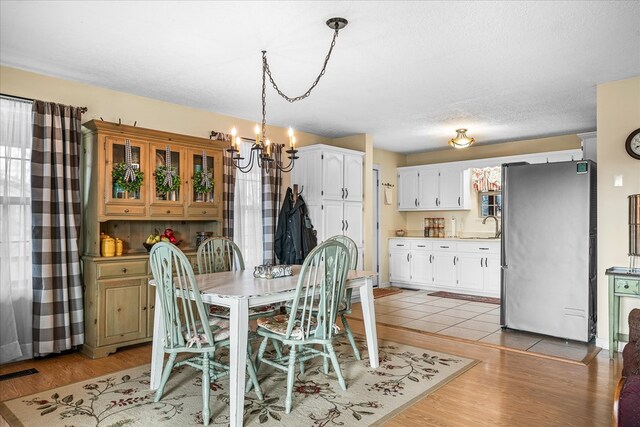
(117, 175)
(161, 174)
(198, 187)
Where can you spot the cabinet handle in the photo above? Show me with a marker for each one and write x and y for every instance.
(458, 201)
(204, 212)
(626, 286)
(342, 229)
(407, 257)
(421, 246)
(126, 211)
(347, 222)
(144, 308)
(430, 259)
(399, 244)
(486, 262)
(484, 249)
(168, 211)
(415, 202)
(347, 191)
(455, 260)
(343, 192)
(481, 259)
(444, 247)
(124, 270)
(152, 307)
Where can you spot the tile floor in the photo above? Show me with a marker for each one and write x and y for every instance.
(476, 321)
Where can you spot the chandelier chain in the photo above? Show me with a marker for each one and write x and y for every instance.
(315, 83)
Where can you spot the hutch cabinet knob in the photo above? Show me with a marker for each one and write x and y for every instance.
(126, 211)
(124, 270)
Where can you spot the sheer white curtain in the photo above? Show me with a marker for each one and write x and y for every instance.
(247, 211)
(16, 296)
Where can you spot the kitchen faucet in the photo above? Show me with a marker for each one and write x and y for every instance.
(497, 225)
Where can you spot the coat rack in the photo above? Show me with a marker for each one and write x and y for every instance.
(296, 193)
(388, 185)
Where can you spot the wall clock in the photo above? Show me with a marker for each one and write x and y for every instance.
(632, 144)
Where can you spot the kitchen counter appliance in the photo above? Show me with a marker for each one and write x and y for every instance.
(548, 276)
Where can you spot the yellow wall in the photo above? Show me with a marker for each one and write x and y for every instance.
(618, 112)
(149, 113)
(390, 218)
(479, 151)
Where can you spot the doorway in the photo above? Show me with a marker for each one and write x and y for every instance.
(376, 223)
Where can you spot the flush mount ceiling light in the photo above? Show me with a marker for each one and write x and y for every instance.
(461, 140)
(263, 153)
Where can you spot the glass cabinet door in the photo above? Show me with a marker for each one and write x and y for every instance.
(161, 192)
(201, 193)
(117, 190)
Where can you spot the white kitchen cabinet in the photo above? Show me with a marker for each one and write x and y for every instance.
(408, 189)
(455, 265)
(331, 182)
(433, 187)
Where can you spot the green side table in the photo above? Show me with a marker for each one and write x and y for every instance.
(622, 283)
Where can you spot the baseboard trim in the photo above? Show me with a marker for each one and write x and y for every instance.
(604, 343)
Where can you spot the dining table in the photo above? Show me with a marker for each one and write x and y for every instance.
(239, 291)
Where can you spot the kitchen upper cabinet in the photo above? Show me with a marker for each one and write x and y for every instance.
(117, 200)
(208, 204)
(353, 175)
(433, 188)
(408, 189)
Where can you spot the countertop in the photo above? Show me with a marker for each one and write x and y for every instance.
(458, 239)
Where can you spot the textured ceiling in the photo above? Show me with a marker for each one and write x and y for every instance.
(409, 73)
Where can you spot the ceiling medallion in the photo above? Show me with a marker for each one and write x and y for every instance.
(461, 140)
(264, 153)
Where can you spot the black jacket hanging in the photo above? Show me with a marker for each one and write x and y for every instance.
(295, 236)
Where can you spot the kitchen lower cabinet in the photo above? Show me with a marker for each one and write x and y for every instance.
(452, 265)
(122, 311)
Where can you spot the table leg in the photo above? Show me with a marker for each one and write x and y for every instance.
(238, 328)
(369, 317)
(157, 352)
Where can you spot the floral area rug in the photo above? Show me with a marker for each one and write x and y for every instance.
(373, 395)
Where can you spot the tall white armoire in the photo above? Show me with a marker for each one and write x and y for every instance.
(331, 180)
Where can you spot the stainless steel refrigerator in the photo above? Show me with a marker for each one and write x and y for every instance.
(549, 248)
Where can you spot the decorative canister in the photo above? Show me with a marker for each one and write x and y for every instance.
(119, 247)
(108, 246)
(201, 236)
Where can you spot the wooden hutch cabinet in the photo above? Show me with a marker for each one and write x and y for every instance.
(119, 303)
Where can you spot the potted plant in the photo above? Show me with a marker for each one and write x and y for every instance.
(130, 187)
(200, 189)
(161, 187)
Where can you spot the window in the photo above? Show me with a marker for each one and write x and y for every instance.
(247, 211)
(16, 293)
(489, 203)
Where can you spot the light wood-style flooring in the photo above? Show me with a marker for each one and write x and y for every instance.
(505, 389)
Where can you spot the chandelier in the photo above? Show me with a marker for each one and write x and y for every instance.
(461, 140)
(264, 153)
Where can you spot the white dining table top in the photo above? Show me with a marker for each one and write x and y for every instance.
(242, 284)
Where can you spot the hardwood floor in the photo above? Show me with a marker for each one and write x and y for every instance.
(505, 389)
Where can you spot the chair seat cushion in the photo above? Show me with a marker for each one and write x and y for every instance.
(278, 325)
(341, 307)
(262, 310)
(219, 330)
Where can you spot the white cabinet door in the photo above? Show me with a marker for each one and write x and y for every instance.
(353, 178)
(399, 265)
(450, 188)
(353, 222)
(444, 270)
(429, 185)
(421, 267)
(408, 190)
(470, 269)
(332, 173)
(333, 221)
(492, 275)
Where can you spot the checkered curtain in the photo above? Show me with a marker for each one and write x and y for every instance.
(55, 202)
(229, 185)
(271, 195)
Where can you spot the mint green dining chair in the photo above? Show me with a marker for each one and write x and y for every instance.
(187, 326)
(221, 254)
(345, 307)
(312, 318)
